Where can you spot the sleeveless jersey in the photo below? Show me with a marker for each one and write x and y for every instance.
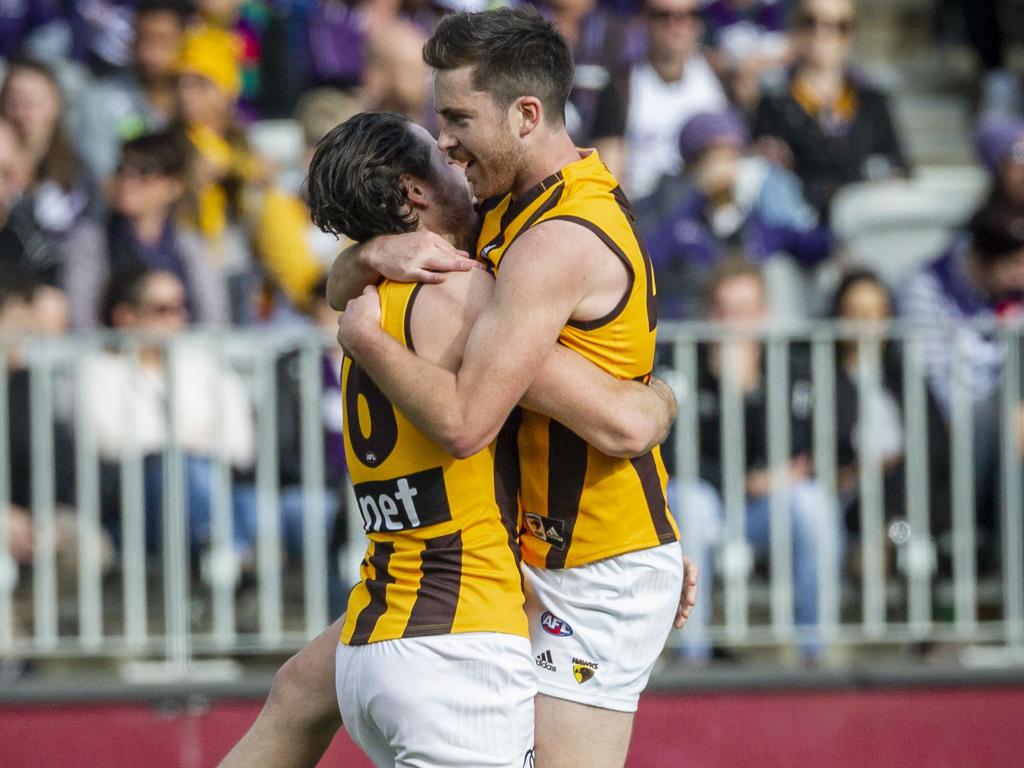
(443, 556)
(578, 504)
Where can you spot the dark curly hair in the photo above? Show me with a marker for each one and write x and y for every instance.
(514, 53)
(353, 184)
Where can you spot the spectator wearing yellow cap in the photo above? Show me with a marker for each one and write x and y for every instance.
(233, 202)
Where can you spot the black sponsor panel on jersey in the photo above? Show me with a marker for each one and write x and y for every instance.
(410, 501)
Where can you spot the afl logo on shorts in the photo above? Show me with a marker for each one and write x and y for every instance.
(554, 625)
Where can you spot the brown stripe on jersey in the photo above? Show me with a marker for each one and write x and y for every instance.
(433, 613)
(543, 208)
(590, 325)
(567, 472)
(507, 480)
(652, 301)
(407, 323)
(377, 589)
(647, 471)
(516, 207)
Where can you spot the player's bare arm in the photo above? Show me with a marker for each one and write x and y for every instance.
(622, 418)
(415, 257)
(555, 271)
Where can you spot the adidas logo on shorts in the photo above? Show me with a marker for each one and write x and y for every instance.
(544, 661)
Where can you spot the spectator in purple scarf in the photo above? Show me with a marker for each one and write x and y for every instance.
(724, 199)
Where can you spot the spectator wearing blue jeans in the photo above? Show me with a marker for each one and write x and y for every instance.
(736, 299)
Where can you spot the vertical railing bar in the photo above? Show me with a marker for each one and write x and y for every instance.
(687, 438)
(823, 381)
(224, 565)
(8, 568)
(962, 471)
(44, 570)
(780, 530)
(176, 528)
(268, 519)
(733, 441)
(1013, 554)
(87, 492)
(870, 490)
(920, 551)
(133, 515)
(314, 497)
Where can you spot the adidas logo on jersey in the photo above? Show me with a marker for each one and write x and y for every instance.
(545, 661)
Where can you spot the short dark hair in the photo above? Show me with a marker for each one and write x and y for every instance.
(19, 284)
(514, 53)
(168, 151)
(182, 9)
(997, 231)
(125, 286)
(353, 186)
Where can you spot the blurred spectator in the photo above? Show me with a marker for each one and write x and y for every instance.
(674, 83)
(234, 203)
(142, 231)
(1000, 87)
(62, 188)
(289, 423)
(864, 301)
(736, 300)
(396, 79)
(723, 199)
(143, 98)
(603, 46)
(825, 118)
(999, 142)
(129, 405)
(29, 307)
(748, 39)
(966, 294)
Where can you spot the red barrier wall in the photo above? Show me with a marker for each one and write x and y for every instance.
(946, 728)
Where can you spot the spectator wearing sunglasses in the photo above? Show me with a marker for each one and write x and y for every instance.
(145, 194)
(664, 90)
(825, 118)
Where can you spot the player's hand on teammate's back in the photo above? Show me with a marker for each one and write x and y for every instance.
(361, 315)
(667, 394)
(416, 257)
(688, 595)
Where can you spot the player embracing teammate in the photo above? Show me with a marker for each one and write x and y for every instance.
(602, 568)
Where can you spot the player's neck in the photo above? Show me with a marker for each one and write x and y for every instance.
(549, 157)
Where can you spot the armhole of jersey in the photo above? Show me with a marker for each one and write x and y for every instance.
(407, 323)
(590, 325)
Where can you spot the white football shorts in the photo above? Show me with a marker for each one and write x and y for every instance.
(598, 629)
(463, 700)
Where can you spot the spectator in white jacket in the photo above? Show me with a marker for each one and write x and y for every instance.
(131, 405)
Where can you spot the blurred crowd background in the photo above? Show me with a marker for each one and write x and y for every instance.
(151, 163)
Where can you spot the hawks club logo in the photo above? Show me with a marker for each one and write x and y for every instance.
(554, 625)
(583, 670)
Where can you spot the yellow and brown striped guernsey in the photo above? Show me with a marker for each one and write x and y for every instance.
(578, 504)
(443, 556)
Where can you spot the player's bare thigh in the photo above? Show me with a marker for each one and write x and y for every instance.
(567, 733)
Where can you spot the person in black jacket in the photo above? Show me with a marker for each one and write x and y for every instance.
(825, 118)
(736, 299)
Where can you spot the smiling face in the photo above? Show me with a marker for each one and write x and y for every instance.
(477, 134)
(450, 201)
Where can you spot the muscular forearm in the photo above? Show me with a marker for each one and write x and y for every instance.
(429, 396)
(619, 418)
(349, 276)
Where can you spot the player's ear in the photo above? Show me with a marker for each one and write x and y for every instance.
(416, 192)
(529, 114)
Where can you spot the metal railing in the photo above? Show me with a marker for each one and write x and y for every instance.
(177, 605)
